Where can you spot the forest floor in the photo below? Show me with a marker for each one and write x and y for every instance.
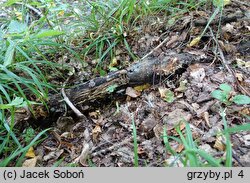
(147, 121)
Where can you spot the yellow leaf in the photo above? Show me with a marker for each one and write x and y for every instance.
(221, 3)
(91, 35)
(30, 153)
(113, 62)
(140, 88)
(61, 13)
(195, 41)
(18, 14)
(226, 2)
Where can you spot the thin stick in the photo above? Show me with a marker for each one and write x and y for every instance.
(164, 41)
(31, 7)
(70, 104)
(227, 66)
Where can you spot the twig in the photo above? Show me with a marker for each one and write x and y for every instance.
(164, 41)
(70, 104)
(30, 7)
(227, 66)
(232, 72)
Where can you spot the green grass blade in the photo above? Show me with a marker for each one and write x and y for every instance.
(229, 153)
(237, 128)
(6, 161)
(136, 158)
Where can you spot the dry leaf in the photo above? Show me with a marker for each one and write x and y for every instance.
(227, 2)
(228, 28)
(206, 118)
(195, 41)
(84, 154)
(53, 155)
(140, 88)
(30, 162)
(96, 131)
(246, 139)
(113, 63)
(247, 64)
(94, 114)
(180, 148)
(163, 92)
(182, 87)
(30, 153)
(239, 76)
(219, 143)
(132, 92)
(198, 73)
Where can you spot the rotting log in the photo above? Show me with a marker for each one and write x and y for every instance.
(148, 70)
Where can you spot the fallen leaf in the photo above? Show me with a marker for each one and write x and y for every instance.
(245, 111)
(246, 139)
(30, 162)
(206, 118)
(228, 28)
(84, 154)
(113, 63)
(140, 88)
(30, 153)
(95, 132)
(180, 148)
(149, 123)
(53, 155)
(182, 87)
(195, 41)
(219, 143)
(239, 76)
(197, 72)
(132, 92)
(94, 114)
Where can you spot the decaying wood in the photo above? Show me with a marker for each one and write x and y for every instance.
(144, 71)
(233, 17)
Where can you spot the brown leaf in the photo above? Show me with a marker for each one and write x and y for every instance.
(228, 28)
(180, 148)
(84, 154)
(96, 132)
(53, 155)
(30, 162)
(132, 92)
(219, 143)
(206, 118)
(197, 72)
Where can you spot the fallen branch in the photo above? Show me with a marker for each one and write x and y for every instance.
(234, 17)
(148, 70)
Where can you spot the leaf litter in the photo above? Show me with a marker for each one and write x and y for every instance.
(105, 137)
